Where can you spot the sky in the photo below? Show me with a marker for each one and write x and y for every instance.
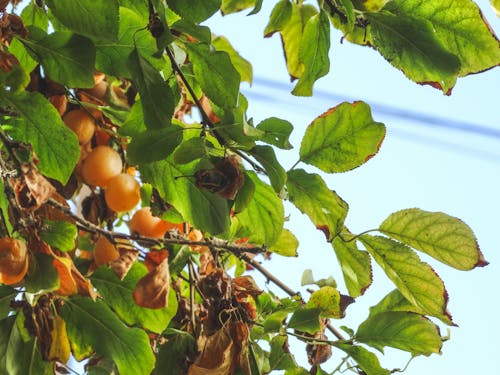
(446, 162)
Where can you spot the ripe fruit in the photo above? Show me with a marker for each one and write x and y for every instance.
(144, 223)
(122, 193)
(104, 252)
(81, 123)
(13, 260)
(101, 165)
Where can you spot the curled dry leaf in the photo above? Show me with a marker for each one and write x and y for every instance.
(32, 189)
(225, 179)
(7, 61)
(122, 265)
(152, 290)
(154, 258)
(316, 353)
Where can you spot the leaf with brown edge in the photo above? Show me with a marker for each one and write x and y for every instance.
(152, 290)
(122, 265)
(32, 190)
(67, 285)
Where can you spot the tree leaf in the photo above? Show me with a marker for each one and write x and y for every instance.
(134, 124)
(410, 44)
(7, 294)
(280, 357)
(172, 356)
(350, 15)
(112, 57)
(118, 295)
(42, 276)
(59, 234)
(365, 359)
(190, 150)
(204, 210)
(266, 206)
(215, 74)
(17, 356)
(245, 194)
(66, 58)
(306, 319)
(442, 236)
(327, 299)
(55, 145)
(154, 145)
(241, 64)
(267, 158)
(416, 280)
(196, 10)
(96, 20)
(460, 27)
(59, 347)
(280, 15)
(33, 15)
(89, 322)
(342, 138)
(309, 193)
(407, 331)
(495, 4)
(313, 53)
(156, 96)
(356, 266)
(291, 35)
(276, 132)
(233, 6)
(286, 245)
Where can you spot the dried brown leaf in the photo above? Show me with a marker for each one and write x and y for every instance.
(152, 290)
(32, 189)
(122, 265)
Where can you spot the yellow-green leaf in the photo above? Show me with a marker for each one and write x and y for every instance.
(442, 236)
(327, 299)
(416, 280)
(286, 244)
(279, 17)
(241, 64)
(342, 138)
(407, 331)
(365, 359)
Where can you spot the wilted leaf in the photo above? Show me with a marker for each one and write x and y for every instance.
(32, 190)
(59, 348)
(342, 138)
(443, 237)
(356, 266)
(407, 331)
(310, 194)
(152, 289)
(416, 280)
(125, 261)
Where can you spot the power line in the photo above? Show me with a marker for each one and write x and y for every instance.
(384, 109)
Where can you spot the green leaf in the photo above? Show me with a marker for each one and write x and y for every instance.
(291, 36)
(266, 206)
(40, 125)
(365, 359)
(112, 57)
(66, 58)
(101, 366)
(308, 279)
(93, 323)
(313, 53)
(286, 245)
(442, 236)
(343, 138)
(59, 234)
(118, 295)
(94, 19)
(204, 210)
(134, 124)
(309, 193)
(267, 158)
(461, 28)
(194, 10)
(407, 331)
(172, 355)
(416, 280)
(17, 356)
(33, 15)
(7, 294)
(241, 64)
(192, 149)
(411, 45)
(274, 322)
(42, 276)
(233, 6)
(349, 14)
(356, 266)
(306, 319)
(244, 195)
(215, 73)
(495, 4)
(156, 96)
(4, 209)
(276, 132)
(280, 15)
(280, 357)
(201, 33)
(154, 145)
(327, 299)
(18, 49)
(395, 301)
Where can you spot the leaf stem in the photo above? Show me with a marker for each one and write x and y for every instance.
(357, 235)
(296, 163)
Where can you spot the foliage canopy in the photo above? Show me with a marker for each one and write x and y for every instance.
(173, 293)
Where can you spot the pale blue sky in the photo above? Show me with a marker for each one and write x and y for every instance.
(418, 166)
